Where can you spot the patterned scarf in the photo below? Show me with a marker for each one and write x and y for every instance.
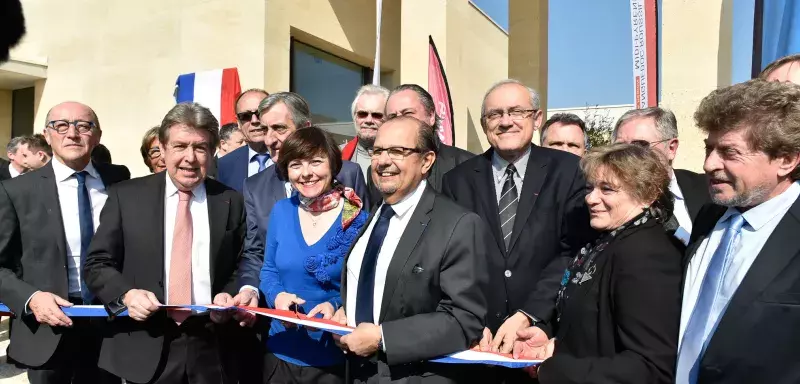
(330, 200)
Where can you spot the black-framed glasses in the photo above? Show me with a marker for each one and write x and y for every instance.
(514, 114)
(62, 126)
(365, 114)
(395, 153)
(246, 116)
(647, 144)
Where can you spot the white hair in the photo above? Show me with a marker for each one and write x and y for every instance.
(369, 89)
(534, 96)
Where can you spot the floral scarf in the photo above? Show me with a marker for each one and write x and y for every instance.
(330, 200)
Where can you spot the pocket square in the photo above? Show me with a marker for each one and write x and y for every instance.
(417, 269)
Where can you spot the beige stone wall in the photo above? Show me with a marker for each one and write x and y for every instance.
(5, 120)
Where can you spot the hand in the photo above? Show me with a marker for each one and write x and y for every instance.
(341, 318)
(364, 341)
(326, 309)
(246, 298)
(285, 301)
(504, 338)
(223, 300)
(141, 304)
(47, 309)
(532, 343)
(486, 341)
(548, 352)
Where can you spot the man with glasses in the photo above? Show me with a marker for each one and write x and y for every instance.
(367, 112)
(47, 220)
(532, 198)
(657, 128)
(252, 158)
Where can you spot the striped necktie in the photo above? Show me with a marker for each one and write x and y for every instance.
(508, 204)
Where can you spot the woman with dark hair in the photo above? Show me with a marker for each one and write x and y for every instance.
(618, 308)
(307, 239)
(151, 151)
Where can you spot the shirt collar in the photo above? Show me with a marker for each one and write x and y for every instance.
(64, 172)
(674, 187)
(198, 193)
(401, 207)
(499, 164)
(13, 171)
(251, 154)
(761, 214)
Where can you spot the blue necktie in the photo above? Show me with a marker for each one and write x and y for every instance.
(366, 279)
(262, 162)
(710, 305)
(86, 226)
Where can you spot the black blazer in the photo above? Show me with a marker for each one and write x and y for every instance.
(33, 254)
(433, 302)
(551, 225)
(127, 252)
(4, 172)
(448, 158)
(695, 190)
(621, 326)
(755, 340)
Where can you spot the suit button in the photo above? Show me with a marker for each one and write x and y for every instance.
(161, 284)
(497, 315)
(508, 273)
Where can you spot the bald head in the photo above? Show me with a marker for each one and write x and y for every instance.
(73, 131)
(72, 107)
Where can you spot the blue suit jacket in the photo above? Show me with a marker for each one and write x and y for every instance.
(232, 168)
(261, 192)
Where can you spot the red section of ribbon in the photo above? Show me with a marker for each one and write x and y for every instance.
(294, 315)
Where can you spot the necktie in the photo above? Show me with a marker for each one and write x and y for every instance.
(86, 224)
(180, 264)
(508, 204)
(366, 278)
(262, 162)
(710, 305)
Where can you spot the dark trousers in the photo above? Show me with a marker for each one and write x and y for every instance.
(278, 371)
(75, 358)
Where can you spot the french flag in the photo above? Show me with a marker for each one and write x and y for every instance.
(216, 90)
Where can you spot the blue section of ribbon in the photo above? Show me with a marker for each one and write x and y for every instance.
(453, 360)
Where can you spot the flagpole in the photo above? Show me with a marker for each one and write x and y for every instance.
(376, 72)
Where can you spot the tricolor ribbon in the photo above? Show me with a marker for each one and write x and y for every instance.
(472, 356)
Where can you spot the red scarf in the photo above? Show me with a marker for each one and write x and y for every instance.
(330, 200)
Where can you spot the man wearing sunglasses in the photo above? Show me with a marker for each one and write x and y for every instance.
(252, 158)
(657, 128)
(368, 116)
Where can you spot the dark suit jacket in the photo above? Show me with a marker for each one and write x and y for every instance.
(433, 302)
(551, 225)
(4, 173)
(231, 169)
(33, 254)
(695, 190)
(621, 325)
(127, 252)
(261, 192)
(448, 158)
(755, 340)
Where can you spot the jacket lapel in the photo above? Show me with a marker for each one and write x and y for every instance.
(343, 289)
(535, 174)
(218, 210)
(275, 185)
(487, 197)
(155, 218)
(413, 232)
(49, 188)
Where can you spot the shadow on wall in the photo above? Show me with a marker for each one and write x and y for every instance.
(473, 135)
(725, 47)
(357, 19)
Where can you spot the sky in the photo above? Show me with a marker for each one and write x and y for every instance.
(590, 55)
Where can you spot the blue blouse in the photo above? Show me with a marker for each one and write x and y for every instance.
(310, 271)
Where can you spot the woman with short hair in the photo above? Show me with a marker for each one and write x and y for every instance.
(151, 151)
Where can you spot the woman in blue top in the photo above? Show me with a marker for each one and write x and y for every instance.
(307, 239)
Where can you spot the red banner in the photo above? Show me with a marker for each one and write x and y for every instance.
(644, 29)
(438, 88)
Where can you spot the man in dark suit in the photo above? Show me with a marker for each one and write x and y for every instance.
(657, 128)
(47, 219)
(247, 160)
(4, 172)
(281, 114)
(414, 278)
(532, 198)
(741, 290)
(182, 250)
(412, 100)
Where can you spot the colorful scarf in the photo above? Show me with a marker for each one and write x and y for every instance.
(330, 200)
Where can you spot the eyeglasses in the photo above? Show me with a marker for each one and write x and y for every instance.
(647, 144)
(62, 126)
(154, 152)
(514, 114)
(365, 114)
(395, 153)
(246, 116)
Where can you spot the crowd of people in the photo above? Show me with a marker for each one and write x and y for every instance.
(604, 262)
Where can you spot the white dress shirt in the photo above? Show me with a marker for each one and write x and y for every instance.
(201, 247)
(13, 171)
(67, 186)
(499, 165)
(760, 222)
(680, 211)
(252, 166)
(403, 210)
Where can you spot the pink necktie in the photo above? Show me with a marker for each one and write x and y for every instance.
(180, 265)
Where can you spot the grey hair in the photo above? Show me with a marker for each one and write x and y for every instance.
(666, 124)
(14, 144)
(193, 115)
(369, 89)
(227, 130)
(534, 96)
(425, 99)
(298, 107)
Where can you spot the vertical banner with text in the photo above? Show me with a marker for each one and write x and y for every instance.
(644, 31)
(438, 88)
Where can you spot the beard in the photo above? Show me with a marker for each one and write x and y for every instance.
(745, 199)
